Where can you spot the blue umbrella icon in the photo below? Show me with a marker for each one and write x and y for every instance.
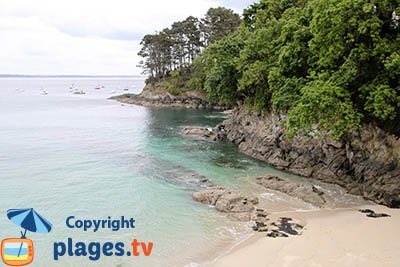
(29, 220)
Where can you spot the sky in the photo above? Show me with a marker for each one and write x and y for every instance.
(87, 37)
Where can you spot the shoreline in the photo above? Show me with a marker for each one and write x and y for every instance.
(345, 237)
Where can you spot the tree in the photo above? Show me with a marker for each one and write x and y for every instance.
(217, 23)
(328, 65)
(176, 47)
(221, 74)
(156, 49)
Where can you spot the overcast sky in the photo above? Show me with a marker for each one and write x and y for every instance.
(94, 37)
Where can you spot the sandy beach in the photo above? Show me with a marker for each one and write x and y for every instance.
(340, 237)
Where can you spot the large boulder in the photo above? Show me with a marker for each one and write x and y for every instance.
(200, 133)
(234, 203)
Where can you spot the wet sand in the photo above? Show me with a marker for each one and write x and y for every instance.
(339, 237)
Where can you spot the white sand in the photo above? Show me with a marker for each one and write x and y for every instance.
(331, 238)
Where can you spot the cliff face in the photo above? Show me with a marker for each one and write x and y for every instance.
(157, 96)
(368, 164)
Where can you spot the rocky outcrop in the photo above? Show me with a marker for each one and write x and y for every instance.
(367, 163)
(234, 203)
(157, 96)
(243, 208)
(202, 133)
(305, 191)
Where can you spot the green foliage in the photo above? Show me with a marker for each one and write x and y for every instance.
(328, 65)
(217, 23)
(178, 79)
(221, 75)
(172, 89)
(383, 102)
(176, 47)
(323, 106)
(196, 81)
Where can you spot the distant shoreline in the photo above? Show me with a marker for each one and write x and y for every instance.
(69, 76)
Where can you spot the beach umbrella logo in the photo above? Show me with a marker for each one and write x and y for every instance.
(19, 251)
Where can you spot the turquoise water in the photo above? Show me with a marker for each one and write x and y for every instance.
(84, 155)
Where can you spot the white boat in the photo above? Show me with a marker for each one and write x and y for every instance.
(78, 92)
(113, 92)
(44, 92)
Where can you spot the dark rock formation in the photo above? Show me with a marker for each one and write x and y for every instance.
(284, 227)
(260, 220)
(157, 96)
(367, 163)
(234, 203)
(373, 214)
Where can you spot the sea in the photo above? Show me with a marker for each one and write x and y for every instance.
(86, 156)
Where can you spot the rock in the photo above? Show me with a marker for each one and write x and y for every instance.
(210, 195)
(373, 214)
(200, 133)
(284, 227)
(232, 202)
(168, 172)
(157, 96)
(366, 211)
(276, 233)
(366, 162)
(377, 215)
(260, 220)
(307, 192)
(241, 207)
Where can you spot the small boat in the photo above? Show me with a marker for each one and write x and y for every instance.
(44, 92)
(126, 89)
(78, 92)
(133, 86)
(113, 92)
(97, 87)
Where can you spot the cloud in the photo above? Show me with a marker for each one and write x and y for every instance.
(238, 5)
(86, 36)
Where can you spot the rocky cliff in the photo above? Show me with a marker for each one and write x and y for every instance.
(157, 96)
(367, 163)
